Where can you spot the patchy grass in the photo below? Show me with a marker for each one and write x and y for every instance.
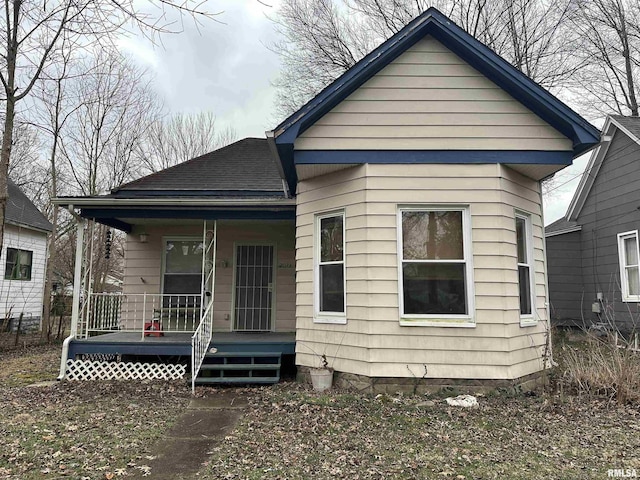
(290, 432)
(83, 430)
(24, 366)
(98, 430)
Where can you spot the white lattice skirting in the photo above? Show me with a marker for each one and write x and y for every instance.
(87, 370)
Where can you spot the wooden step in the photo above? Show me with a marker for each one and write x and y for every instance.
(243, 354)
(240, 366)
(223, 380)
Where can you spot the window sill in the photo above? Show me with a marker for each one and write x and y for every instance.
(336, 320)
(528, 322)
(461, 322)
(634, 299)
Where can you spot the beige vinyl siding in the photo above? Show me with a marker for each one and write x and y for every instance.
(429, 98)
(528, 343)
(373, 342)
(23, 296)
(143, 264)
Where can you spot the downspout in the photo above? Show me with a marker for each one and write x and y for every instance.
(271, 141)
(75, 308)
(552, 363)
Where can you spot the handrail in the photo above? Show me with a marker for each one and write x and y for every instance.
(200, 343)
(202, 337)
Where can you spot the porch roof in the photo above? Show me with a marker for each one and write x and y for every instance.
(121, 213)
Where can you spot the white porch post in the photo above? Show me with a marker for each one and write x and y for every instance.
(75, 305)
(77, 277)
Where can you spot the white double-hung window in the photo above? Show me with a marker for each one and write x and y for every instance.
(524, 244)
(435, 271)
(629, 255)
(329, 284)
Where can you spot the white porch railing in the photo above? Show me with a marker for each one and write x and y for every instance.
(144, 312)
(202, 336)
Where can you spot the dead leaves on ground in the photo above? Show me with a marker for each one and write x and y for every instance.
(89, 430)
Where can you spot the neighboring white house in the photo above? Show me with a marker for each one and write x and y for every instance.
(22, 262)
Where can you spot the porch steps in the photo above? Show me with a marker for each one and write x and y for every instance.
(240, 368)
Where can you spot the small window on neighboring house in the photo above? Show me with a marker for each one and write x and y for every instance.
(524, 241)
(18, 264)
(435, 270)
(629, 254)
(330, 268)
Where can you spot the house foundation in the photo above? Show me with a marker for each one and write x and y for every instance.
(422, 386)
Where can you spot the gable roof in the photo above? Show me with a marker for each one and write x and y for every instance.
(432, 22)
(243, 168)
(630, 126)
(22, 212)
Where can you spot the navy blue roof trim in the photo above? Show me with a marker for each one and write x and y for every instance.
(197, 193)
(311, 157)
(556, 113)
(111, 215)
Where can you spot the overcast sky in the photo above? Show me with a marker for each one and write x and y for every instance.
(228, 70)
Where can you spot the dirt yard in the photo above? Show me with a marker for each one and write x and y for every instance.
(107, 430)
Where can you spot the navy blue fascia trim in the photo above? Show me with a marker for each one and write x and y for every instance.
(315, 157)
(196, 193)
(104, 215)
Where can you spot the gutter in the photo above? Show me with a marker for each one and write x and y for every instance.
(562, 232)
(271, 141)
(80, 202)
(28, 227)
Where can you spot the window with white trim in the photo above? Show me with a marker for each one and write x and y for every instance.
(629, 255)
(330, 268)
(434, 268)
(524, 242)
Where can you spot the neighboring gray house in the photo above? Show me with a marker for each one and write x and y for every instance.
(593, 251)
(22, 261)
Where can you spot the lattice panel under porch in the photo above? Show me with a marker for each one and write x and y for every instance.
(87, 370)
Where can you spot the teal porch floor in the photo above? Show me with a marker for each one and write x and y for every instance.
(179, 344)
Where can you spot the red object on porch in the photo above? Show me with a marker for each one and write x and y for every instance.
(153, 329)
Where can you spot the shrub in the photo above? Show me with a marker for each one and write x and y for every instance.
(601, 367)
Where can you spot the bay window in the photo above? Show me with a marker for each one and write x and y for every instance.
(435, 266)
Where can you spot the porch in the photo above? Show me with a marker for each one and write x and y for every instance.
(179, 344)
(204, 291)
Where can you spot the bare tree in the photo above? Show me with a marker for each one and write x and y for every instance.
(180, 137)
(610, 48)
(321, 39)
(31, 34)
(116, 107)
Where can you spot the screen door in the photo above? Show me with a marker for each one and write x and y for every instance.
(254, 288)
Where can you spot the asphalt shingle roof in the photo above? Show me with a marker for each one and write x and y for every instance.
(244, 166)
(632, 124)
(559, 225)
(22, 211)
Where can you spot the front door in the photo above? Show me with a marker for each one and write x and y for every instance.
(253, 288)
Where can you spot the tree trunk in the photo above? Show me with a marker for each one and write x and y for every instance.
(48, 322)
(18, 329)
(5, 154)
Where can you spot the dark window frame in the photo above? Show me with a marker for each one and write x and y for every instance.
(12, 269)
